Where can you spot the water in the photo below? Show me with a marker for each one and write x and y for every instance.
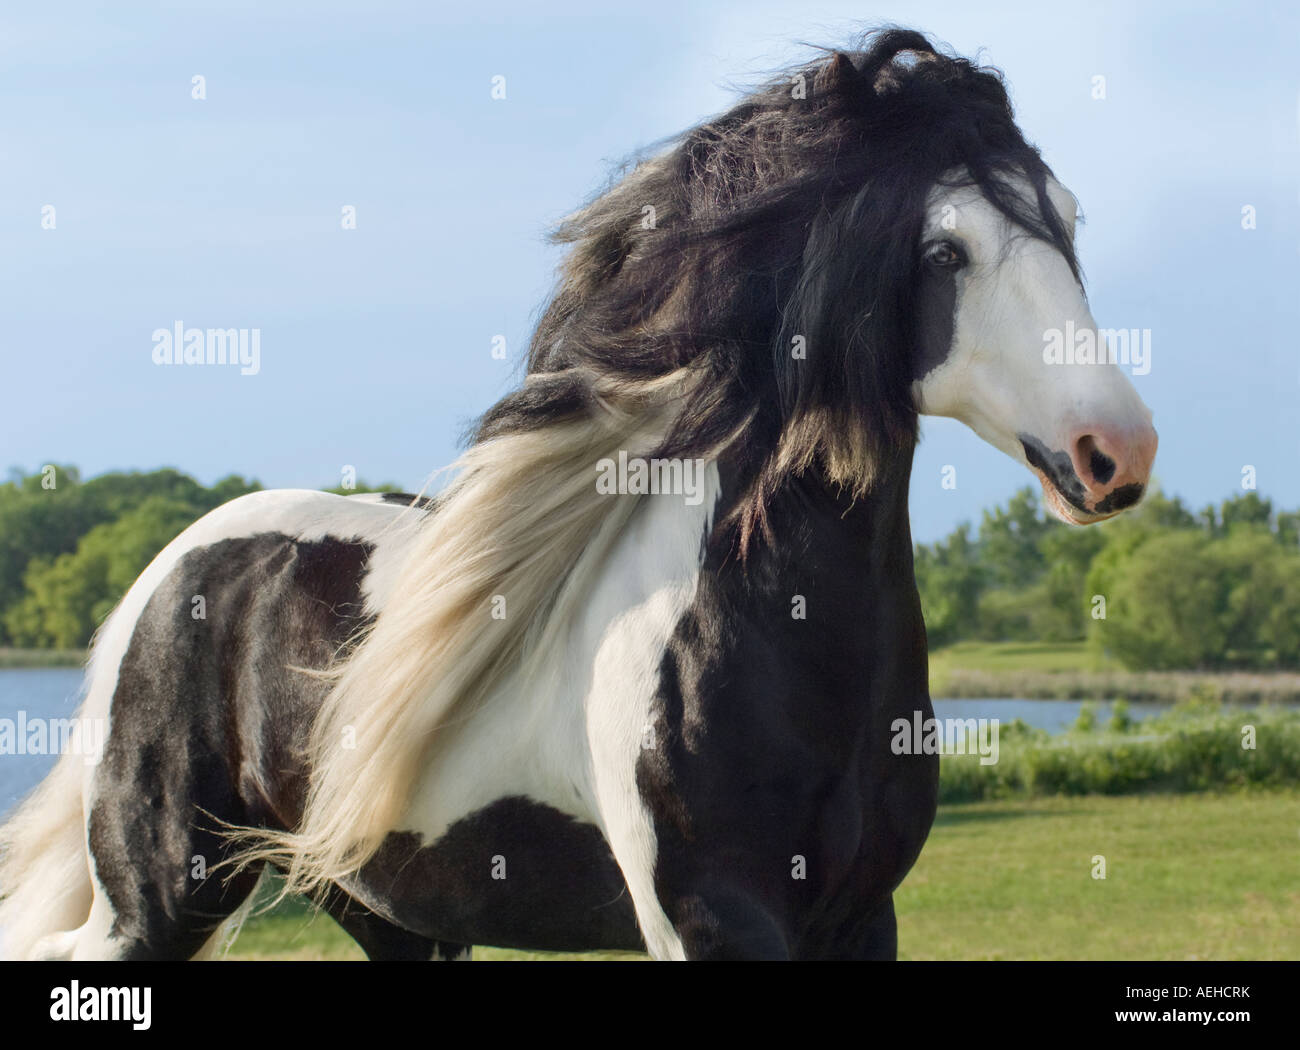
(53, 692)
(1056, 716)
(46, 692)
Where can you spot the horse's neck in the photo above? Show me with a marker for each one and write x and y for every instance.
(816, 530)
(831, 593)
(832, 586)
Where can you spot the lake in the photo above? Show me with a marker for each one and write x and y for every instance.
(41, 692)
(53, 693)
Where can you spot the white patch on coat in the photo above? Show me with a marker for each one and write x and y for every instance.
(1015, 289)
(568, 731)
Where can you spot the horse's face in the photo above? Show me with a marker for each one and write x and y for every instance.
(991, 299)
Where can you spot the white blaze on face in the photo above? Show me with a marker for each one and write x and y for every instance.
(1081, 427)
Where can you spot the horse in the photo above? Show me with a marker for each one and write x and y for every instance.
(559, 707)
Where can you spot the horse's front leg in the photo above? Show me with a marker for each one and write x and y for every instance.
(709, 917)
(721, 920)
(879, 941)
(694, 902)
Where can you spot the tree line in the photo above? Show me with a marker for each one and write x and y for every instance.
(69, 548)
(1160, 587)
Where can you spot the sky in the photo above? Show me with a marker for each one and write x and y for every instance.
(376, 343)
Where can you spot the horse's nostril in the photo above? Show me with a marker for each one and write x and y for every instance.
(1100, 465)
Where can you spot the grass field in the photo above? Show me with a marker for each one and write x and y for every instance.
(1187, 877)
(1069, 670)
(25, 658)
(1196, 876)
(1015, 656)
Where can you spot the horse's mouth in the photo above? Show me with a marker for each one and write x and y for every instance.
(1064, 493)
(1054, 500)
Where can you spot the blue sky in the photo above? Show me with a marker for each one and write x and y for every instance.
(375, 342)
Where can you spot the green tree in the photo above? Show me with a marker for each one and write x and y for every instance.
(69, 549)
(69, 596)
(949, 578)
(1014, 614)
(1288, 528)
(1189, 599)
(1245, 509)
(1260, 609)
(1069, 553)
(46, 515)
(1160, 511)
(1009, 541)
(1163, 596)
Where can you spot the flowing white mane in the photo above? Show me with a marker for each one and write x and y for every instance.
(525, 526)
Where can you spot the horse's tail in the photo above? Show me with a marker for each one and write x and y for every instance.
(45, 885)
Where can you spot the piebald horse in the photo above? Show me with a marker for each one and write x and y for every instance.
(543, 710)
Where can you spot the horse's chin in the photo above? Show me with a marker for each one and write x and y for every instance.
(1065, 511)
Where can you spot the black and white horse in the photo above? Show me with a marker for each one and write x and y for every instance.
(630, 679)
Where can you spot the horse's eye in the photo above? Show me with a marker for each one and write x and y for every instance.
(945, 255)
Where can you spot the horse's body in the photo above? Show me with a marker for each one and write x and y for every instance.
(686, 743)
(207, 715)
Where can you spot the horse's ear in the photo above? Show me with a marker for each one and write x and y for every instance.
(837, 72)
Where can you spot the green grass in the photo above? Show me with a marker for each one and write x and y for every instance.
(1070, 671)
(1016, 656)
(20, 658)
(1198, 876)
(1188, 877)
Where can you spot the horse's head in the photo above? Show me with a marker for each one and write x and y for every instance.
(1001, 316)
(868, 237)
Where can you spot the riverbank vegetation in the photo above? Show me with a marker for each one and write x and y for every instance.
(1196, 745)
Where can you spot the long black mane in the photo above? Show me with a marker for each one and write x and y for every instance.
(797, 213)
